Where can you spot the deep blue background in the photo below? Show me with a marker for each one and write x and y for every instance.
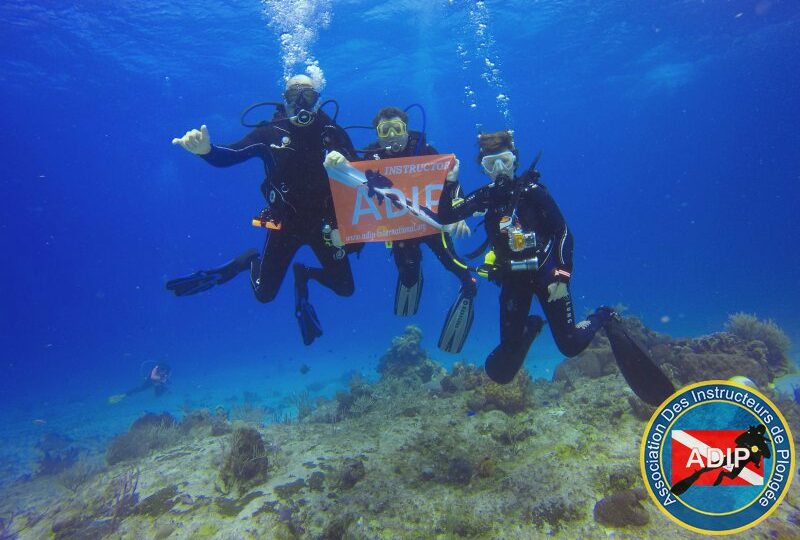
(670, 138)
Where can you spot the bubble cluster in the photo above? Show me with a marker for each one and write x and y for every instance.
(484, 53)
(297, 23)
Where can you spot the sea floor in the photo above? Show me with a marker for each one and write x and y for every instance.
(396, 458)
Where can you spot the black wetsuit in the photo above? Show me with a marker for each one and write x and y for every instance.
(297, 190)
(159, 387)
(407, 253)
(538, 212)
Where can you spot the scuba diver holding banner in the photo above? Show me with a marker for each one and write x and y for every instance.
(395, 140)
(531, 254)
(300, 210)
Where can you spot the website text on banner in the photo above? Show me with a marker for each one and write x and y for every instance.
(417, 181)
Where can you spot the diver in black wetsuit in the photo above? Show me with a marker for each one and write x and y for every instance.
(292, 147)
(395, 140)
(532, 249)
(157, 379)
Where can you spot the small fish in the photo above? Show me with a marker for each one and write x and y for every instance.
(39, 421)
(304, 369)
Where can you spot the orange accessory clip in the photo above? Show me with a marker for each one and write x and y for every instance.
(266, 224)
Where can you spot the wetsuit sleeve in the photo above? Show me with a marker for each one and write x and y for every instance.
(453, 208)
(553, 225)
(254, 144)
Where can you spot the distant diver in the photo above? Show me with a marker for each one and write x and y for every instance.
(156, 378)
(753, 440)
(531, 253)
(292, 146)
(395, 140)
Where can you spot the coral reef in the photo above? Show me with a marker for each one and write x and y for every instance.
(456, 456)
(245, 464)
(77, 475)
(147, 433)
(57, 453)
(6, 526)
(462, 377)
(160, 502)
(751, 329)
(751, 348)
(105, 513)
(407, 358)
(351, 473)
(510, 398)
(622, 509)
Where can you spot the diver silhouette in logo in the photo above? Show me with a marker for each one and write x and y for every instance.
(753, 440)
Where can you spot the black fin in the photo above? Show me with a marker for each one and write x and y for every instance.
(310, 327)
(202, 280)
(192, 284)
(643, 376)
(506, 359)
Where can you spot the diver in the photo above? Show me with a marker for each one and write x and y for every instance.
(756, 443)
(156, 378)
(300, 210)
(395, 140)
(531, 254)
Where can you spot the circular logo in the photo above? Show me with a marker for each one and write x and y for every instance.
(717, 457)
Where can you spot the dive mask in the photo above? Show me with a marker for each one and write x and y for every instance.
(393, 127)
(499, 164)
(301, 103)
(301, 97)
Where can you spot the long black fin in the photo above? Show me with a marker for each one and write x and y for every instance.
(202, 280)
(643, 376)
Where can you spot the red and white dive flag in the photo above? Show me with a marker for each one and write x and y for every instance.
(694, 449)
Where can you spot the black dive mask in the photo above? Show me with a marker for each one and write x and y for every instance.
(301, 104)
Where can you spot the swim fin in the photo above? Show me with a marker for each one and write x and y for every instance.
(310, 327)
(507, 358)
(202, 280)
(642, 374)
(458, 323)
(407, 295)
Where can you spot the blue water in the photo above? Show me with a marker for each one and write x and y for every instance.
(670, 138)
